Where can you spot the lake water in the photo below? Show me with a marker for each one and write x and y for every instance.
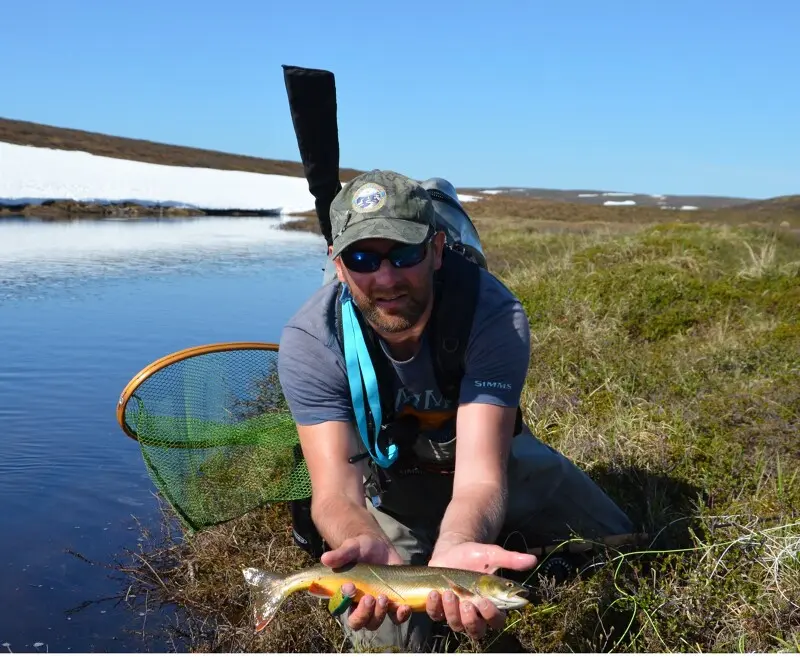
(84, 305)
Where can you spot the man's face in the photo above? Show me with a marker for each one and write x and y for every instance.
(392, 299)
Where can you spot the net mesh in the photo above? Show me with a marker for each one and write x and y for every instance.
(216, 435)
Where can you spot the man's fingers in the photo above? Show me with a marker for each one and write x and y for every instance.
(492, 615)
(500, 558)
(399, 615)
(521, 561)
(361, 616)
(380, 609)
(473, 624)
(452, 612)
(344, 554)
(433, 606)
(395, 559)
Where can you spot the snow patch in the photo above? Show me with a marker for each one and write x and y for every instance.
(31, 174)
(619, 203)
(492, 191)
(468, 198)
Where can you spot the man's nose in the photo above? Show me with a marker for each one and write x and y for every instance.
(386, 274)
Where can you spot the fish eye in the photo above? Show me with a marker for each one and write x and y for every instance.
(509, 585)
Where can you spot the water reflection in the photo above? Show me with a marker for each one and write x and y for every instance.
(33, 253)
(84, 305)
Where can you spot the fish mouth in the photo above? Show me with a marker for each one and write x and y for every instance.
(521, 593)
(517, 597)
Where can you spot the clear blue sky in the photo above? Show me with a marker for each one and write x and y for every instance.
(681, 96)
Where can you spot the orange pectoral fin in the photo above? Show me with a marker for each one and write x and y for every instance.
(460, 591)
(320, 590)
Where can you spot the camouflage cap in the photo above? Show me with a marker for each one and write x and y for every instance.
(380, 204)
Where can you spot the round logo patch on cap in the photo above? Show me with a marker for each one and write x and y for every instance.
(369, 198)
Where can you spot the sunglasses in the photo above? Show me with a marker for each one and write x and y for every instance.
(401, 257)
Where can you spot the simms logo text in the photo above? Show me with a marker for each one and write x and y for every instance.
(493, 384)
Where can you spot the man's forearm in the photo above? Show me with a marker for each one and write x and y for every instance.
(339, 518)
(474, 515)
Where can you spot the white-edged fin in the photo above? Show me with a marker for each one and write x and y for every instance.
(268, 594)
(256, 577)
(460, 591)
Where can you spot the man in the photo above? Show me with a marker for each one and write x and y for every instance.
(476, 472)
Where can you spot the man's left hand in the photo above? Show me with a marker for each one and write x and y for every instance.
(464, 616)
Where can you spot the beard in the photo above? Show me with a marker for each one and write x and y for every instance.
(406, 314)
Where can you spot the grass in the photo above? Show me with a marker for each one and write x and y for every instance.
(664, 361)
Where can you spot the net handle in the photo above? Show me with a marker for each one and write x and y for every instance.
(170, 359)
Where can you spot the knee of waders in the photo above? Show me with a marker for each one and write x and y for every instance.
(304, 531)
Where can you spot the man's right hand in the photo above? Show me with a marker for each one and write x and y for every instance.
(369, 613)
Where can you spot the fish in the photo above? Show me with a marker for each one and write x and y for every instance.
(401, 584)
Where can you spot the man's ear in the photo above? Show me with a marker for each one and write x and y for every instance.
(339, 269)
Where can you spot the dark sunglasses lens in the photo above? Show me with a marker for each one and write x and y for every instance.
(408, 256)
(364, 262)
(361, 261)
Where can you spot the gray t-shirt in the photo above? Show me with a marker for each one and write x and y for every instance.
(314, 377)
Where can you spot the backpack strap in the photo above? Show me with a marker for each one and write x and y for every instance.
(456, 298)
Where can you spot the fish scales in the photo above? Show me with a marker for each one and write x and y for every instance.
(402, 585)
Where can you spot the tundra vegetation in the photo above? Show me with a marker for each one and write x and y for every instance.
(665, 358)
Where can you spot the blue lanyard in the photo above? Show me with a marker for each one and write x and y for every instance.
(359, 365)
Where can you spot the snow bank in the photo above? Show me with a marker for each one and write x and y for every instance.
(29, 174)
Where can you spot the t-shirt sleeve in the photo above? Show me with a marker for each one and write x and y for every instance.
(498, 353)
(313, 379)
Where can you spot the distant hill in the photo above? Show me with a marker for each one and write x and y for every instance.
(25, 133)
(34, 134)
(778, 203)
(614, 198)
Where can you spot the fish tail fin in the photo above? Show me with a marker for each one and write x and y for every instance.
(269, 593)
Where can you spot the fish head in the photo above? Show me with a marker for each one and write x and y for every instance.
(503, 593)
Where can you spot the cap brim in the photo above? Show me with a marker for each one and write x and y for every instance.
(397, 230)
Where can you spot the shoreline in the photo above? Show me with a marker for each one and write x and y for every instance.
(70, 209)
(484, 213)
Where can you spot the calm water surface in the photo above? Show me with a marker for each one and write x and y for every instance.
(84, 305)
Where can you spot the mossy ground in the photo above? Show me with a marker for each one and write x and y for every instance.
(665, 361)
